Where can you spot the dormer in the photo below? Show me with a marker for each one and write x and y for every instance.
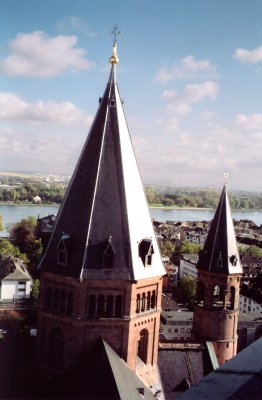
(146, 251)
(112, 101)
(62, 250)
(109, 255)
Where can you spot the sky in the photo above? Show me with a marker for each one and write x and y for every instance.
(190, 75)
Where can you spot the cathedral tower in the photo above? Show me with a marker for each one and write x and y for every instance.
(101, 274)
(219, 274)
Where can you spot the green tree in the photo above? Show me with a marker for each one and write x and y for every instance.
(185, 290)
(168, 248)
(35, 288)
(23, 233)
(8, 249)
(23, 236)
(250, 251)
(189, 248)
(168, 202)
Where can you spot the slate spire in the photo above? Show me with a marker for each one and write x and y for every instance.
(103, 229)
(220, 252)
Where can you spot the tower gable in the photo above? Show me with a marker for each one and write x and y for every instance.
(220, 253)
(105, 199)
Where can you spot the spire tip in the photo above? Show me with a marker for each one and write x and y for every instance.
(114, 57)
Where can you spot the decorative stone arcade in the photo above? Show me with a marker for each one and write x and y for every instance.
(216, 312)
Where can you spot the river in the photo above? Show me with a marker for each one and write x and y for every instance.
(14, 213)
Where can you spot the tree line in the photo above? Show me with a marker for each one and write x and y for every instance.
(25, 192)
(18, 189)
(200, 198)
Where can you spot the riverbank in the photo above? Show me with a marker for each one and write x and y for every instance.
(157, 207)
(180, 208)
(10, 203)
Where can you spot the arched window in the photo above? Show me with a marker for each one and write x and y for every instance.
(148, 300)
(101, 306)
(143, 305)
(142, 345)
(216, 292)
(138, 301)
(109, 306)
(232, 297)
(218, 296)
(69, 306)
(153, 299)
(119, 306)
(56, 348)
(92, 306)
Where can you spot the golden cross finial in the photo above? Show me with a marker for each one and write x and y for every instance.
(115, 32)
(226, 176)
(114, 58)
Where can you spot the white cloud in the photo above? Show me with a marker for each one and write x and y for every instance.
(36, 151)
(37, 55)
(76, 24)
(200, 156)
(13, 108)
(180, 103)
(190, 68)
(248, 122)
(249, 56)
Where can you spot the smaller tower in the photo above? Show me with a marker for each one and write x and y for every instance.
(219, 274)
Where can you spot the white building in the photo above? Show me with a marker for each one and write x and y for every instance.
(37, 199)
(176, 325)
(15, 283)
(247, 305)
(195, 237)
(188, 265)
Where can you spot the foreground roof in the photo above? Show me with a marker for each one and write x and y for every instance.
(239, 378)
(102, 375)
(13, 269)
(104, 225)
(220, 252)
(182, 366)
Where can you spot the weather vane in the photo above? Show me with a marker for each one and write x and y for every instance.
(226, 175)
(115, 31)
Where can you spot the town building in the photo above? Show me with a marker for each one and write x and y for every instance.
(219, 275)
(101, 274)
(176, 326)
(247, 305)
(15, 280)
(187, 265)
(249, 329)
(171, 275)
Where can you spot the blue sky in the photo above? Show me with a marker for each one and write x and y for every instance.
(190, 74)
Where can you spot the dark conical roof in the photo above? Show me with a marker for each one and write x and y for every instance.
(104, 216)
(220, 252)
